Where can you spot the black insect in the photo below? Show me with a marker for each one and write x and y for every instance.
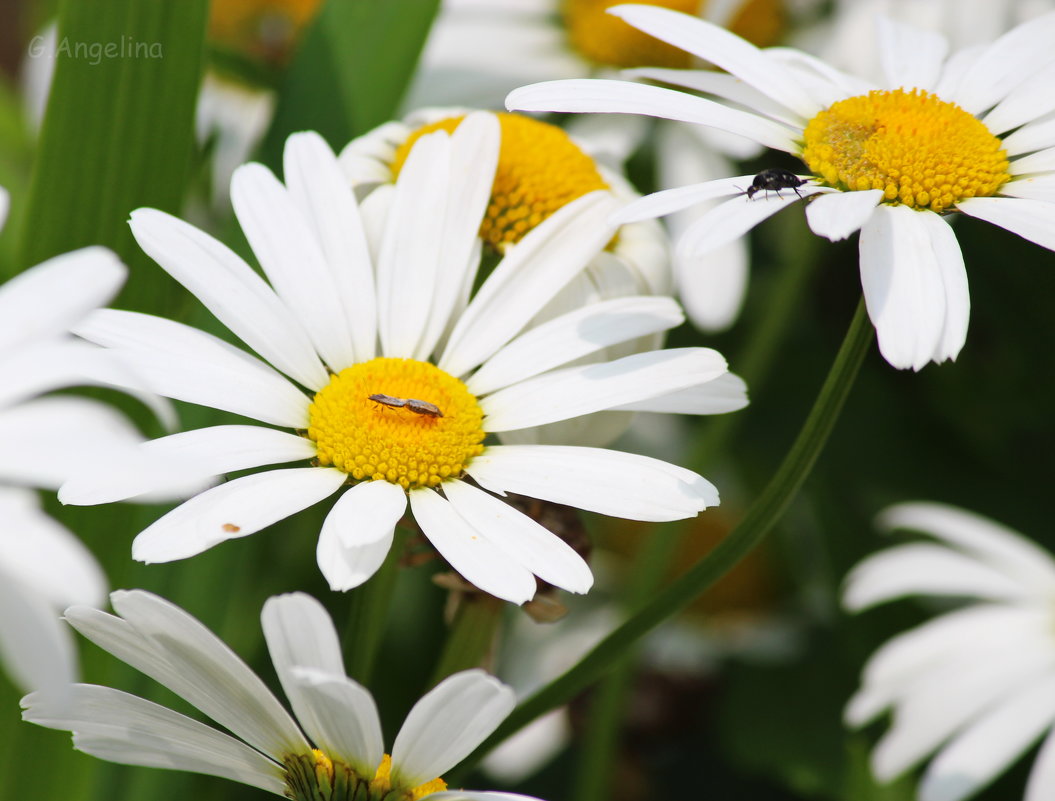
(775, 179)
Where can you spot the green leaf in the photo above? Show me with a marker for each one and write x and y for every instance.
(118, 132)
(351, 70)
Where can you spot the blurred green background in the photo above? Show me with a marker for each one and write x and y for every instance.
(977, 433)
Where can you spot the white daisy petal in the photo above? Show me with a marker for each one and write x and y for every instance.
(574, 391)
(447, 724)
(974, 758)
(1036, 188)
(911, 56)
(408, 267)
(1042, 777)
(165, 643)
(659, 204)
(190, 456)
(183, 363)
(573, 335)
(1005, 63)
(470, 552)
(622, 97)
(903, 286)
(837, 215)
(367, 512)
(1028, 101)
(1030, 219)
(5, 205)
(338, 715)
(595, 479)
(235, 509)
(32, 309)
(469, 795)
(726, 393)
(343, 715)
(231, 290)
(317, 187)
(1039, 162)
(531, 274)
(292, 258)
(993, 543)
(919, 569)
(35, 646)
(346, 567)
(122, 728)
(474, 158)
(1037, 135)
(720, 47)
(524, 540)
(953, 273)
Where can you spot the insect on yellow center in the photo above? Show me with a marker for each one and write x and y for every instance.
(539, 170)
(606, 40)
(314, 776)
(388, 438)
(920, 150)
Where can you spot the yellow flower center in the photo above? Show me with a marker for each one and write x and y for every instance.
(260, 29)
(605, 39)
(422, 427)
(315, 776)
(920, 150)
(539, 170)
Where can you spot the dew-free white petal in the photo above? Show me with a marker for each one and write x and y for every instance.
(235, 509)
(911, 56)
(667, 201)
(1041, 783)
(1030, 219)
(367, 512)
(726, 393)
(36, 650)
(837, 215)
(347, 567)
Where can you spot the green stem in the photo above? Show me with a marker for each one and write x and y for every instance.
(471, 636)
(369, 613)
(760, 518)
(600, 740)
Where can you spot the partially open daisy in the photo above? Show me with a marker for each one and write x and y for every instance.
(975, 686)
(479, 50)
(43, 566)
(405, 375)
(969, 133)
(332, 750)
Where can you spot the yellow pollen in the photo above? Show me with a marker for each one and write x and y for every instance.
(267, 30)
(382, 783)
(920, 150)
(539, 170)
(368, 439)
(605, 39)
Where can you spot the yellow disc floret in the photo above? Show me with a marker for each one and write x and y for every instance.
(920, 150)
(392, 439)
(539, 170)
(381, 786)
(606, 40)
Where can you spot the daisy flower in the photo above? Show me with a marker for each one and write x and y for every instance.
(970, 133)
(43, 567)
(405, 376)
(540, 169)
(975, 686)
(333, 749)
(480, 50)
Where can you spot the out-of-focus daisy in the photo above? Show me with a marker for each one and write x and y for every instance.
(405, 375)
(540, 169)
(43, 567)
(975, 686)
(971, 133)
(480, 50)
(334, 747)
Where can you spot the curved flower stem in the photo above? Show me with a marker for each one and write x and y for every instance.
(600, 741)
(472, 634)
(759, 520)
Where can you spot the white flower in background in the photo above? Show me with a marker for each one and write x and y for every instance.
(540, 169)
(479, 50)
(405, 375)
(847, 38)
(334, 747)
(974, 686)
(43, 567)
(971, 133)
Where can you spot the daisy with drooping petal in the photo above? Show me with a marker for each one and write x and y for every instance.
(540, 169)
(333, 748)
(43, 567)
(970, 133)
(402, 386)
(479, 50)
(975, 686)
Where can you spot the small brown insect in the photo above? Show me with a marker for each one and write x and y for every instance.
(231, 528)
(421, 407)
